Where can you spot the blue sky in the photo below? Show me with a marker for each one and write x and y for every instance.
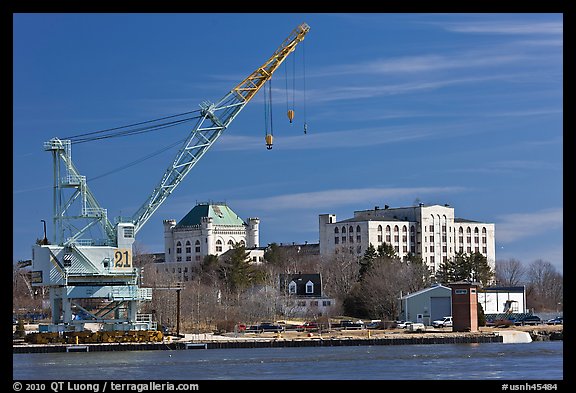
(464, 109)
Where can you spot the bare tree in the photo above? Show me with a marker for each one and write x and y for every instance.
(544, 290)
(510, 272)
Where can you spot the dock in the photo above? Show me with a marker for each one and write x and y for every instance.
(275, 342)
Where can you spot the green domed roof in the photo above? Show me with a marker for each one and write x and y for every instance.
(220, 213)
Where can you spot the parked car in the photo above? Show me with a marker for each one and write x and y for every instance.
(349, 324)
(444, 322)
(269, 327)
(556, 321)
(403, 324)
(307, 326)
(528, 320)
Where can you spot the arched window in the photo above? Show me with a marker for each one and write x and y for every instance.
(230, 244)
(343, 229)
(336, 230)
(351, 229)
(379, 228)
(188, 247)
(357, 228)
(197, 246)
(178, 248)
(218, 245)
(292, 288)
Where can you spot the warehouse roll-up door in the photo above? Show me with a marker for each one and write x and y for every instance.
(440, 307)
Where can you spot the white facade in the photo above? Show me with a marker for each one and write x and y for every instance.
(431, 232)
(499, 300)
(208, 229)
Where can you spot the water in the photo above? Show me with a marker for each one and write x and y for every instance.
(488, 361)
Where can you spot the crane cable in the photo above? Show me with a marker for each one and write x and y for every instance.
(268, 123)
(304, 85)
(92, 136)
(126, 131)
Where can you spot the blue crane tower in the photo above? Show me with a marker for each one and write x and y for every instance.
(75, 265)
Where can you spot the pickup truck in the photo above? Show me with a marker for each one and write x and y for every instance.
(444, 322)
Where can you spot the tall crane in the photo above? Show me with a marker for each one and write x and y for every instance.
(77, 266)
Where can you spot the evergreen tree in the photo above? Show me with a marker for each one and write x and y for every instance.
(387, 250)
(367, 261)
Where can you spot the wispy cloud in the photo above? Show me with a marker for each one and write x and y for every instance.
(319, 200)
(336, 139)
(517, 226)
(506, 27)
(423, 63)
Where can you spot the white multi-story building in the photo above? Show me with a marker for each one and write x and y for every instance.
(431, 232)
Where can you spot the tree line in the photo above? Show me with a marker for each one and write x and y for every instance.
(222, 291)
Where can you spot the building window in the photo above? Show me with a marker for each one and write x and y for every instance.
(188, 258)
(326, 303)
(431, 248)
(358, 238)
(469, 250)
(358, 228)
(431, 228)
(314, 303)
(197, 258)
(343, 239)
(380, 238)
(292, 288)
(178, 248)
(358, 249)
(351, 239)
(309, 287)
(431, 238)
(336, 230)
(336, 240)
(432, 259)
(343, 229)
(351, 229)
(218, 245)
(444, 249)
(484, 250)
(388, 238)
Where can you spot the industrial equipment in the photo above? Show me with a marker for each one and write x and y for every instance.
(75, 265)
